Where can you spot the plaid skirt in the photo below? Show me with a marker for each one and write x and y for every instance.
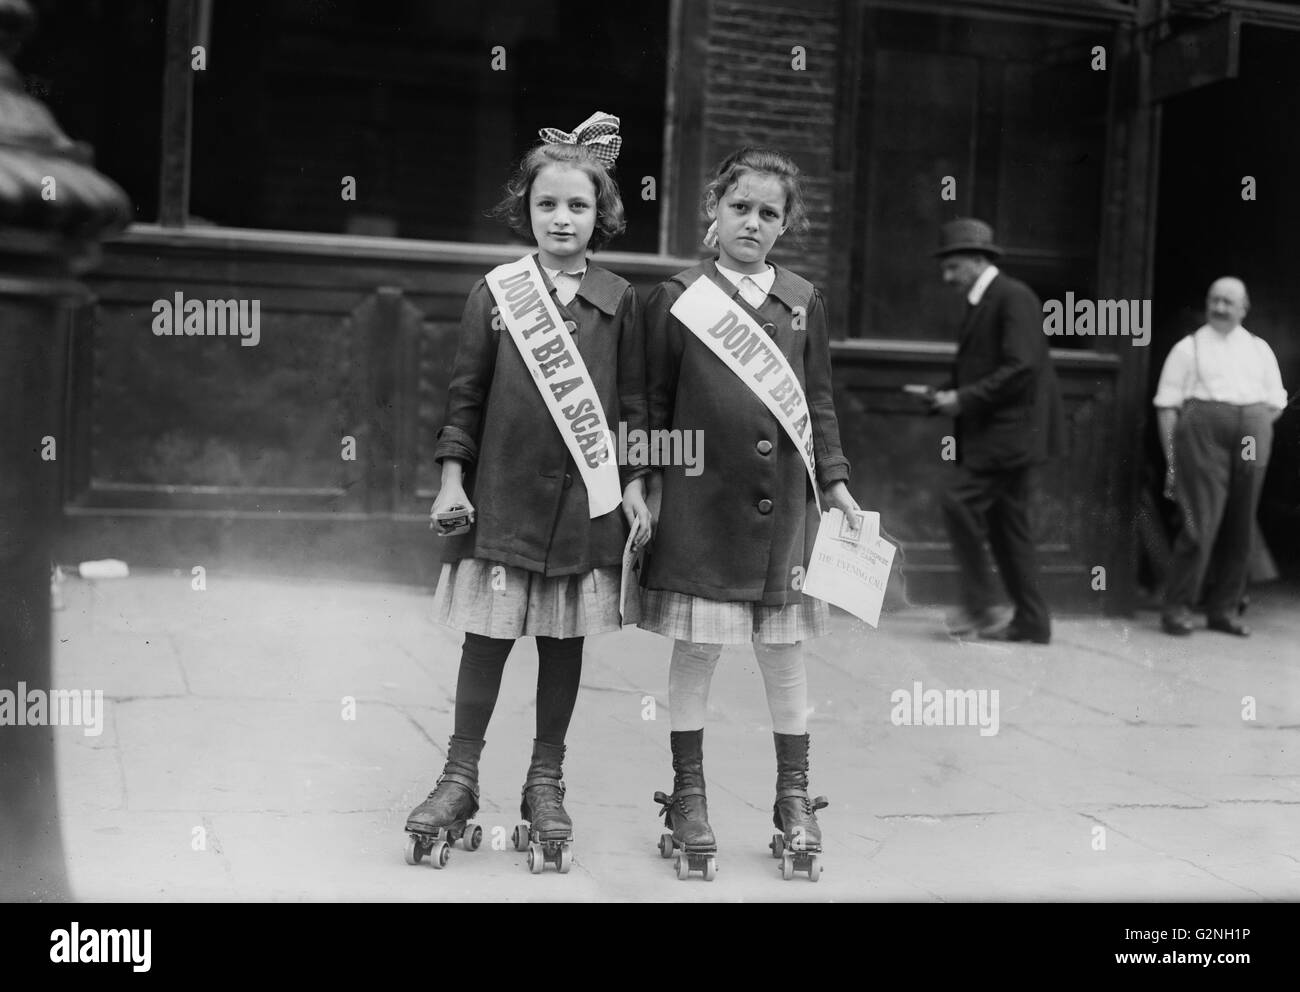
(495, 600)
(710, 621)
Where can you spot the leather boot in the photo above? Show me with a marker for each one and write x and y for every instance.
(455, 798)
(793, 813)
(542, 804)
(686, 811)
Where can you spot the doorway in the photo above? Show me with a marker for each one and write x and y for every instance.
(1212, 139)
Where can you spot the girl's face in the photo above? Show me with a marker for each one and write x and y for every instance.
(750, 216)
(562, 205)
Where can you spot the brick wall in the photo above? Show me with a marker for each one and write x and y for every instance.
(754, 96)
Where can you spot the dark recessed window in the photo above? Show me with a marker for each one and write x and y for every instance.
(98, 68)
(401, 97)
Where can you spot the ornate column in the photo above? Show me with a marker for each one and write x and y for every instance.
(54, 208)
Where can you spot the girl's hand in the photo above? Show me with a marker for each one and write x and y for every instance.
(637, 513)
(451, 496)
(838, 495)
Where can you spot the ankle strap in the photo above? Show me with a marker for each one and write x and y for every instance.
(533, 780)
(459, 779)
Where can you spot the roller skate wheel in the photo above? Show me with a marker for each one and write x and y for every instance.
(473, 837)
(665, 845)
(777, 845)
(521, 837)
(710, 868)
(440, 854)
(414, 850)
(683, 867)
(565, 861)
(814, 868)
(536, 859)
(787, 866)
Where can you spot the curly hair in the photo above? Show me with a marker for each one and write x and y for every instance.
(765, 161)
(514, 210)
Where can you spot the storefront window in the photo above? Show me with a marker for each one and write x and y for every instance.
(299, 95)
(970, 117)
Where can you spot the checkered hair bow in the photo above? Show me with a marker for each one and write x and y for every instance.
(598, 134)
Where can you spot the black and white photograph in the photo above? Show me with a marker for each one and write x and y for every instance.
(671, 451)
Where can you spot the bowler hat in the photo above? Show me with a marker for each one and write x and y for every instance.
(967, 234)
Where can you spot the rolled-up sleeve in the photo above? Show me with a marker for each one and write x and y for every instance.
(830, 463)
(471, 378)
(1174, 377)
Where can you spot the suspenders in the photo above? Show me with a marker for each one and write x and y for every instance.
(1196, 364)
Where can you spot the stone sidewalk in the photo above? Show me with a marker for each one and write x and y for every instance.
(228, 769)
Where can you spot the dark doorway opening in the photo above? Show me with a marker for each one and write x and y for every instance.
(1212, 139)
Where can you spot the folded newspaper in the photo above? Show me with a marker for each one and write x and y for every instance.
(850, 564)
(629, 590)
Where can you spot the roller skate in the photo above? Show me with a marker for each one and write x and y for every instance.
(799, 844)
(445, 817)
(686, 811)
(547, 832)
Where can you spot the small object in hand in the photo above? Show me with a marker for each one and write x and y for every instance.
(452, 522)
(851, 527)
(924, 392)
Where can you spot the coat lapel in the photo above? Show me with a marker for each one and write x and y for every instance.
(973, 316)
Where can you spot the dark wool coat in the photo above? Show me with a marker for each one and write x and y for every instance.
(1011, 414)
(741, 530)
(529, 497)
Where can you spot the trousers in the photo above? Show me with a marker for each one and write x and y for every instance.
(996, 505)
(1221, 454)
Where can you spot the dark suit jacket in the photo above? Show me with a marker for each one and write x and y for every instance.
(1011, 414)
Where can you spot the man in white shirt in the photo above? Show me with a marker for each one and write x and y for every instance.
(1220, 391)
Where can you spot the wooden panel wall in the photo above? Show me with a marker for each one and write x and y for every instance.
(198, 450)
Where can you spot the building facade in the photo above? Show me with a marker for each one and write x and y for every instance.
(334, 162)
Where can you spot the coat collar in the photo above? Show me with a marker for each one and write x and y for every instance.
(599, 287)
(791, 289)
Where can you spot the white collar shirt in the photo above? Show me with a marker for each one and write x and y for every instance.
(1236, 368)
(981, 284)
(566, 283)
(753, 288)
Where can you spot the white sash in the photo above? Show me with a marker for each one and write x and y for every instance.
(560, 375)
(744, 347)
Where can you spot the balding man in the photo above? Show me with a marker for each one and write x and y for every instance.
(1220, 391)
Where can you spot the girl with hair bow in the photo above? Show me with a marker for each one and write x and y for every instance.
(551, 353)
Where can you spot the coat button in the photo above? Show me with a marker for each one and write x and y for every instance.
(764, 446)
(764, 506)
(571, 326)
(568, 480)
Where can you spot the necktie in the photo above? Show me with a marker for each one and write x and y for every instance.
(751, 292)
(566, 285)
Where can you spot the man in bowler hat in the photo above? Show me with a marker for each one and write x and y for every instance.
(1007, 404)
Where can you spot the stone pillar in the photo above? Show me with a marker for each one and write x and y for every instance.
(54, 207)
